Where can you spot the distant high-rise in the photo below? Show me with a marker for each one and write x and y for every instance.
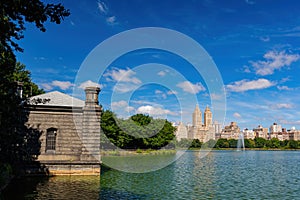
(199, 130)
(207, 117)
(197, 117)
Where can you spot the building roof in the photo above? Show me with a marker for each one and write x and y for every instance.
(197, 109)
(207, 109)
(56, 98)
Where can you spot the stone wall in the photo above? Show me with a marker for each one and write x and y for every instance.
(77, 149)
(68, 143)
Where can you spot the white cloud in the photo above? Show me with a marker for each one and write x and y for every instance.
(161, 93)
(162, 73)
(170, 92)
(89, 83)
(39, 58)
(246, 69)
(140, 102)
(122, 105)
(123, 75)
(214, 96)
(164, 95)
(245, 85)
(47, 86)
(111, 20)
(129, 109)
(237, 115)
(264, 38)
(63, 85)
(297, 122)
(125, 87)
(189, 87)
(102, 7)
(158, 92)
(154, 111)
(282, 106)
(274, 61)
(284, 88)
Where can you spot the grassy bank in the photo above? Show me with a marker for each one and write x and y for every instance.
(247, 149)
(137, 152)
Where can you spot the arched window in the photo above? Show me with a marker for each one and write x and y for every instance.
(51, 139)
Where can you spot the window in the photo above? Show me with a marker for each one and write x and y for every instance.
(51, 139)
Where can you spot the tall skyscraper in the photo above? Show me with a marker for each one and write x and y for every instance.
(197, 117)
(207, 117)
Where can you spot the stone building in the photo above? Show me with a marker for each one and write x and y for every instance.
(181, 132)
(231, 131)
(294, 134)
(275, 128)
(248, 134)
(202, 131)
(70, 131)
(261, 132)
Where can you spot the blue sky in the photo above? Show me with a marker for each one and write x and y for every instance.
(254, 44)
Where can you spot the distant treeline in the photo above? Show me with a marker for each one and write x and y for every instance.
(144, 132)
(274, 143)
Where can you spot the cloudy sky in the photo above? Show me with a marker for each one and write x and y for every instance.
(253, 43)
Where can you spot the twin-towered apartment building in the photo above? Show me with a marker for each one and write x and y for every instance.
(208, 129)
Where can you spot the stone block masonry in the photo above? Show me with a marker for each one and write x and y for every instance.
(70, 134)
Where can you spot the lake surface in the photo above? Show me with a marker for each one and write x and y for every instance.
(219, 175)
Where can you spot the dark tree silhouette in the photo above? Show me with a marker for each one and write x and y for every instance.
(19, 143)
(14, 14)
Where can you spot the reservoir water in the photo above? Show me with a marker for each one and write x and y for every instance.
(219, 175)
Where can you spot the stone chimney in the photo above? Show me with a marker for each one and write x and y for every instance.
(91, 96)
(91, 126)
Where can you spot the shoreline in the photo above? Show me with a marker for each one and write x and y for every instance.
(246, 149)
(174, 151)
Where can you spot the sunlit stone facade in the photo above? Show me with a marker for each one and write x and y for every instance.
(199, 130)
(70, 131)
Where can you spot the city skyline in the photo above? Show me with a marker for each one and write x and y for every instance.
(252, 43)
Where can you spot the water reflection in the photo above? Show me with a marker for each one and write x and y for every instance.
(58, 187)
(219, 175)
(140, 163)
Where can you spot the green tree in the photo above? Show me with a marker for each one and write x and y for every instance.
(14, 14)
(284, 143)
(249, 143)
(113, 135)
(141, 120)
(232, 143)
(260, 142)
(274, 143)
(222, 143)
(293, 144)
(209, 144)
(15, 137)
(24, 76)
(144, 133)
(196, 143)
(184, 143)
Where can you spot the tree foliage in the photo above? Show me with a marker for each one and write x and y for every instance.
(273, 143)
(23, 76)
(16, 140)
(14, 14)
(138, 132)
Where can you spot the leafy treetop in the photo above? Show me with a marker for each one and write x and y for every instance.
(14, 14)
